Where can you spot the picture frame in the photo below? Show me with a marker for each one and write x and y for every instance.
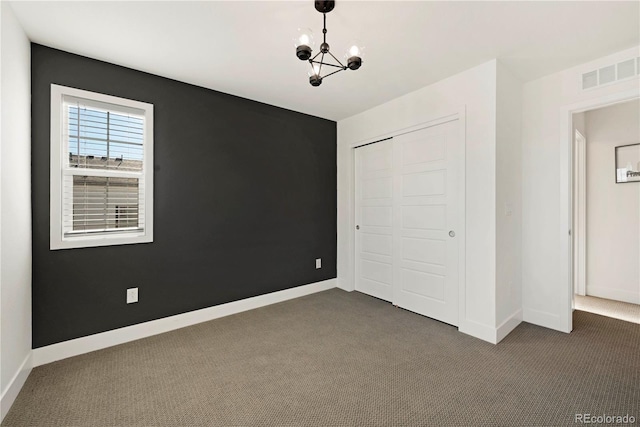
(627, 163)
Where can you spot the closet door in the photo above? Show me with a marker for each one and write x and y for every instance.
(425, 215)
(407, 217)
(374, 216)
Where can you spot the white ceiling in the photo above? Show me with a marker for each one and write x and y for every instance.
(246, 48)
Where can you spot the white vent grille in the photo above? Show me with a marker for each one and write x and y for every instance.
(611, 74)
(590, 79)
(607, 75)
(626, 69)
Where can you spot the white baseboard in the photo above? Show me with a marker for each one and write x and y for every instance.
(478, 330)
(488, 333)
(63, 350)
(614, 294)
(542, 318)
(15, 385)
(345, 285)
(508, 325)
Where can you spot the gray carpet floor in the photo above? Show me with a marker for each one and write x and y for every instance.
(341, 359)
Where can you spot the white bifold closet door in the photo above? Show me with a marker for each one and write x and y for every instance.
(406, 215)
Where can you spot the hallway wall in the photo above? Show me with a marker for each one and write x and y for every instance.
(613, 210)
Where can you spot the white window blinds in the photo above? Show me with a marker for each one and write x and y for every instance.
(103, 184)
(101, 169)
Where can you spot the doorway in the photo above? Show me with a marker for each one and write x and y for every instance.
(606, 212)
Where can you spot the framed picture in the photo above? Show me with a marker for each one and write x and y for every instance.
(628, 163)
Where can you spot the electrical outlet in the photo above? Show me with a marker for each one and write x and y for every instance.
(318, 263)
(132, 295)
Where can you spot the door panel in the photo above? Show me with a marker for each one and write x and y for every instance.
(424, 284)
(426, 251)
(425, 256)
(431, 217)
(432, 183)
(374, 216)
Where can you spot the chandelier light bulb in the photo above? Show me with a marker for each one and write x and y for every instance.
(354, 56)
(314, 75)
(304, 37)
(304, 44)
(315, 70)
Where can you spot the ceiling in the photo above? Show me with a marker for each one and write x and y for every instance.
(246, 48)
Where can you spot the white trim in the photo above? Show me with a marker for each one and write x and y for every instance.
(580, 214)
(103, 173)
(95, 342)
(564, 321)
(97, 100)
(508, 325)
(462, 220)
(57, 238)
(614, 294)
(489, 334)
(15, 385)
(541, 318)
(478, 330)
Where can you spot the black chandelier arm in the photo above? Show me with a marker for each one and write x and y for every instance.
(337, 60)
(321, 63)
(327, 64)
(314, 57)
(336, 71)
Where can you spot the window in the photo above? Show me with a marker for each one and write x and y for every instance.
(101, 169)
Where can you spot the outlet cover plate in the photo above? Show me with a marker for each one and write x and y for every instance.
(132, 295)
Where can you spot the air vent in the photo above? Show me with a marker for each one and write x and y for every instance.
(611, 73)
(626, 69)
(590, 79)
(607, 75)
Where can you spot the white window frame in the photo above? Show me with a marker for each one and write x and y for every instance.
(58, 239)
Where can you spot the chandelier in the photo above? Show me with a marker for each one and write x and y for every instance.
(324, 61)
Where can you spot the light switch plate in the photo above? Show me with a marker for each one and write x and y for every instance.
(318, 263)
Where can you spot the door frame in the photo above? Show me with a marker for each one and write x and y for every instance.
(579, 226)
(430, 120)
(566, 195)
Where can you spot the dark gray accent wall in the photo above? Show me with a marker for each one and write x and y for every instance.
(244, 200)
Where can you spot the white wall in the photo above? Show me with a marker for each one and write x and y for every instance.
(613, 210)
(475, 90)
(15, 208)
(508, 201)
(545, 289)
